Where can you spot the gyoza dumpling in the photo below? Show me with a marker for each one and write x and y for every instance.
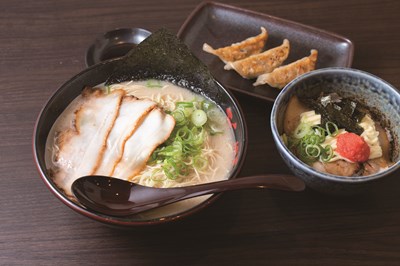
(284, 74)
(240, 50)
(266, 62)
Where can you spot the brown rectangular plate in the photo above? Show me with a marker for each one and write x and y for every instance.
(220, 25)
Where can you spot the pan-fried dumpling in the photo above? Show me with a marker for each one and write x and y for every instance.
(266, 62)
(284, 74)
(240, 50)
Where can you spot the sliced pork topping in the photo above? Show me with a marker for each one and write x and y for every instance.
(131, 114)
(113, 134)
(153, 131)
(81, 147)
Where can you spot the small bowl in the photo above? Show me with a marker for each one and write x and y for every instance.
(367, 88)
(114, 44)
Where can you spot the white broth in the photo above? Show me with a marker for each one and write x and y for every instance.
(217, 149)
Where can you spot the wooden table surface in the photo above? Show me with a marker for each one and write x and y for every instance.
(43, 43)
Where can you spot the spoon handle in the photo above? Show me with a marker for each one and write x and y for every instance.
(118, 197)
(165, 196)
(271, 181)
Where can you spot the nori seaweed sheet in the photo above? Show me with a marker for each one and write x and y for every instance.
(343, 114)
(164, 56)
(346, 113)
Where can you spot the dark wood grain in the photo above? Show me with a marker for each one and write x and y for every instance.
(42, 44)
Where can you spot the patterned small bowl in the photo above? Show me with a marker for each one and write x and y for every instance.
(347, 82)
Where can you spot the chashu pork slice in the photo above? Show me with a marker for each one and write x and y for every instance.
(154, 130)
(131, 114)
(81, 147)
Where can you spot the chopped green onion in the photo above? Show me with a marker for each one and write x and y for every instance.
(313, 151)
(327, 153)
(199, 118)
(198, 136)
(199, 163)
(179, 116)
(214, 115)
(152, 83)
(306, 142)
(170, 169)
(319, 131)
(184, 104)
(206, 105)
(187, 111)
(215, 129)
(328, 126)
(181, 152)
(173, 150)
(302, 130)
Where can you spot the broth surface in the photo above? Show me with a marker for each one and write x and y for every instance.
(219, 147)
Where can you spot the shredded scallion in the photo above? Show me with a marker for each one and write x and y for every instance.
(307, 142)
(328, 127)
(182, 151)
(152, 83)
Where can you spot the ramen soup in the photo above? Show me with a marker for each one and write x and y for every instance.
(337, 135)
(149, 132)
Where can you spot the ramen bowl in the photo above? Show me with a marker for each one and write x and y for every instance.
(100, 73)
(374, 92)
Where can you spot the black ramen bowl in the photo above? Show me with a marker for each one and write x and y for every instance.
(374, 92)
(98, 74)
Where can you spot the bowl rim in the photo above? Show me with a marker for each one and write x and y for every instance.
(300, 164)
(116, 221)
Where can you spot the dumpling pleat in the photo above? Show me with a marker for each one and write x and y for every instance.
(240, 50)
(284, 74)
(262, 63)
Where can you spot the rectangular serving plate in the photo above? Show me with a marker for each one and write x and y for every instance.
(220, 25)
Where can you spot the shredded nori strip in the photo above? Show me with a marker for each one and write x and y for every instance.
(346, 113)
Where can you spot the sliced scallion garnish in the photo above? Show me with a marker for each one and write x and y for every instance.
(328, 127)
(181, 153)
(199, 118)
(307, 142)
(327, 153)
(152, 83)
